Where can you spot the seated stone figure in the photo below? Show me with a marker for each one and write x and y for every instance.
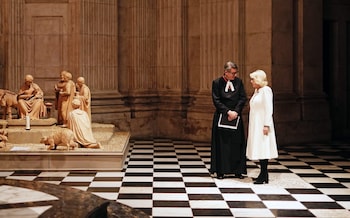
(31, 99)
(80, 124)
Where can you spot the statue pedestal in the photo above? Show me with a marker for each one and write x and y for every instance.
(33, 123)
(3, 123)
(24, 150)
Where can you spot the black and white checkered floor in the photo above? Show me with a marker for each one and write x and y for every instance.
(169, 178)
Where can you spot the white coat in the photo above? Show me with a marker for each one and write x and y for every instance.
(260, 146)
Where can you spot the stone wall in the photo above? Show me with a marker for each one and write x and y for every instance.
(150, 63)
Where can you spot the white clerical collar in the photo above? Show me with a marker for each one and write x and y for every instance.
(229, 86)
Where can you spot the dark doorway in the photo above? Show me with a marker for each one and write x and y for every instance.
(336, 65)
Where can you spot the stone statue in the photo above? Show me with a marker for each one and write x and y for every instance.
(62, 137)
(80, 124)
(65, 90)
(58, 87)
(8, 100)
(84, 95)
(31, 100)
(3, 138)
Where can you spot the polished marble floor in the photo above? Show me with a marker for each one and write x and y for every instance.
(169, 178)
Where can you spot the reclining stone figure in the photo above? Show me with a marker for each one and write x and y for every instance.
(62, 137)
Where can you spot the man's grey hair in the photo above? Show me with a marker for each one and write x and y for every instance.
(229, 65)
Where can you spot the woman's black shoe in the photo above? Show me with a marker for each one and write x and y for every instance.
(220, 176)
(262, 180)
(260, 176)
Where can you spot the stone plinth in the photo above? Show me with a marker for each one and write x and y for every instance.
(33, 123)
(3, 123)
(24, 151)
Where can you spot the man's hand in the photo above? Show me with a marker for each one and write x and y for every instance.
(232, 115)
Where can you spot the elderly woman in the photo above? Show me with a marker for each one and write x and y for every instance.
(30, 99)
(261, 143)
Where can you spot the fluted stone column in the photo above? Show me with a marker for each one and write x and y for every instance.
(13, 32)
(96, 35)
(214, 37)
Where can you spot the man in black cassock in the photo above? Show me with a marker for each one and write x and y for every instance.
(228, 144)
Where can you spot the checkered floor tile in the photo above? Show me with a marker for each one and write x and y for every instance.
(169, 178)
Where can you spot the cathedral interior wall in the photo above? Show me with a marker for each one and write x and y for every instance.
(150, 64)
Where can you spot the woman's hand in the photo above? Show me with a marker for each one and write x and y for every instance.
(266, 130)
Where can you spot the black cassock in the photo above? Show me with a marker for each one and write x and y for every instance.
(228, 145)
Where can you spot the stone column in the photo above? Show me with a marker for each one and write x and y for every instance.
(137, 46)
(97, 51)
(302, 110)
(137, 58)
(214, 36)
(13, 33)
(171, 76)
(314, 110)
(97, 58)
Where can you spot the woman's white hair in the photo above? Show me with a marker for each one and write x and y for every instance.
(259, 77)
